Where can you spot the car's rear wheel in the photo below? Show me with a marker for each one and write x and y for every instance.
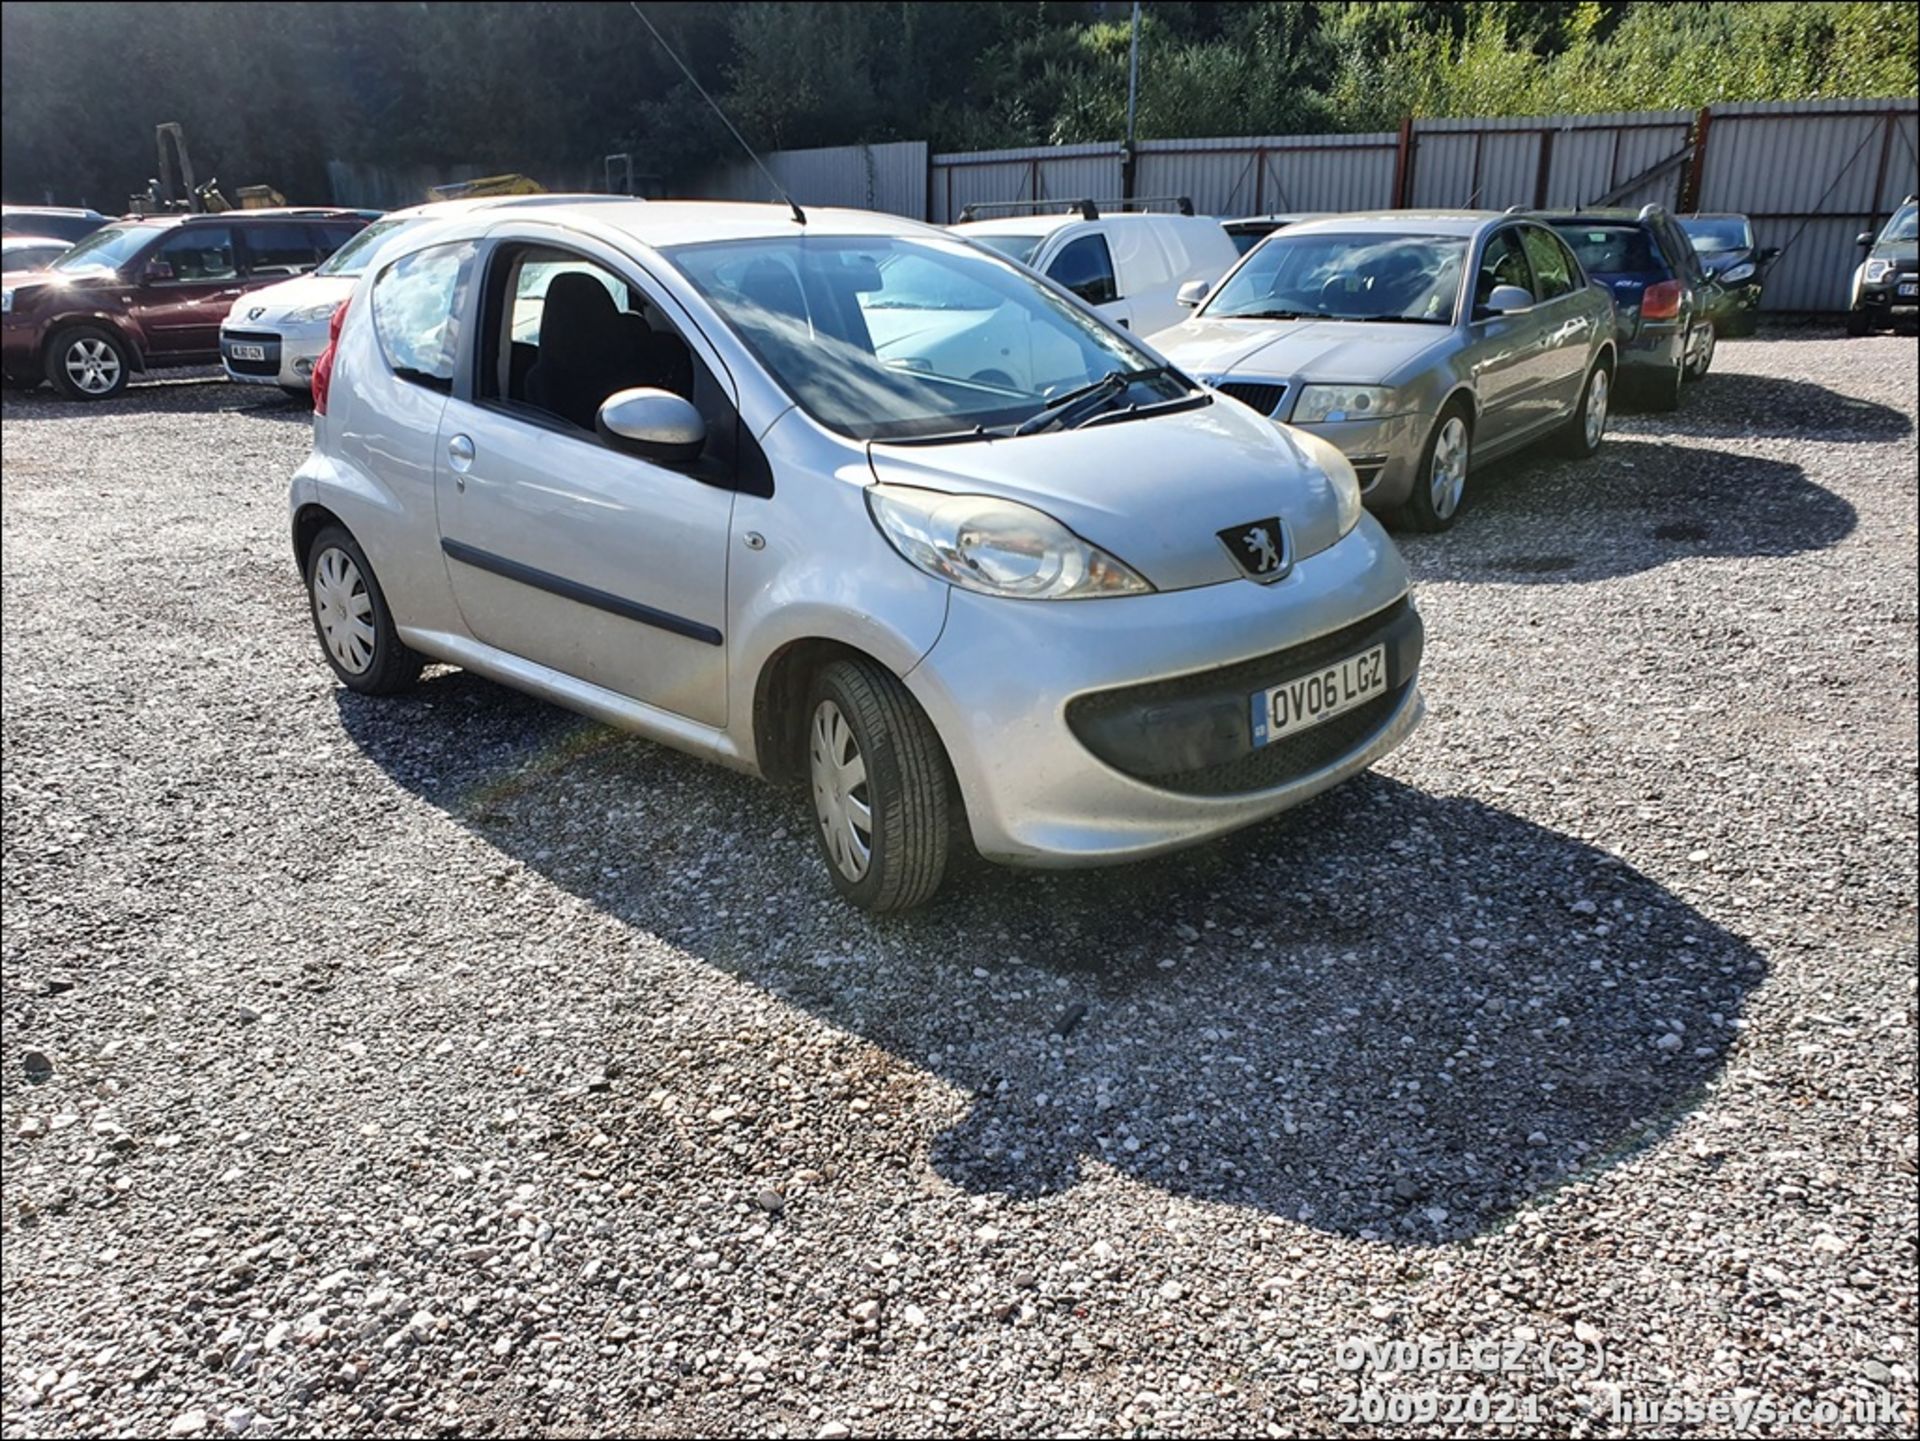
(1700, 348)
(1662, 391)
(880, 785)
(88, 362)
(351, 619)
(1440, 483)
(1580, 437)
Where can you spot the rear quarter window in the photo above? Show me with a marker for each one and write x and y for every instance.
(416, 313)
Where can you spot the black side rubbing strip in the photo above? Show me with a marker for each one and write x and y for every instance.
(573, 590)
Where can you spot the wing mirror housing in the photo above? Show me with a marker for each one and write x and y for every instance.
(1864, 240)
(1192, 293)
(1768, 255)
(1505, 299)
(653, 424)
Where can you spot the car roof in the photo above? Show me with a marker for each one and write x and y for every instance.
(1402, 222)
(661, 223)
(51, 210)
(1602, 215)
(1711, 215)
(22, 242)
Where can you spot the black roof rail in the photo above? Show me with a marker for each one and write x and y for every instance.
(1089, 209)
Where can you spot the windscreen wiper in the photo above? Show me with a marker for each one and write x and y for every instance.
(1076, 405)
(1279, 315)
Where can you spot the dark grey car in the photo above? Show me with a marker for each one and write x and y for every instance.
(1419, 344)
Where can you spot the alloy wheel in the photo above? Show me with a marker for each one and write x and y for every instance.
(841, 798)
(1447, 480)
(344, 609)
(92, 365)
(1596, 417)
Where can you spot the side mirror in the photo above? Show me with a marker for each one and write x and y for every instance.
(1192, 293)
(157, 270)
(653, 424)
(1506, 299)
(1767, 256)
(1864, 240)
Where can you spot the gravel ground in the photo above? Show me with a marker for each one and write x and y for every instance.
(453, 1066)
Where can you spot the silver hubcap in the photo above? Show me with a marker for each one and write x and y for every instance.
(92, 366)
(1596, 408)
(1449, 478)
(840, 795)
(344, 609)
(1702, 349)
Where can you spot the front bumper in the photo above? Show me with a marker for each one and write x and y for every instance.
(1037, 794)
(1898, 290)
(287, 358)
(1385, 453)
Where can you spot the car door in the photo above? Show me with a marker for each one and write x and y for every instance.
(186, 284)
(1567, 322)
(1503, 350)
(1084, 265)
(1143, 274)
(561, 548)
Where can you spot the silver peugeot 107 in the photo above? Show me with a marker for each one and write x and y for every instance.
(646, 460)
(1420, 345)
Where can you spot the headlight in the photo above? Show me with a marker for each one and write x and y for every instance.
(1877, 270)
(996, 547)
(309, 313)
(1342, 402)
(6, 301)
(1734, 274)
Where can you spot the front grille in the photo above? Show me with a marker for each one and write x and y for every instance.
(1292, 757)
(1255, 395)
(1193, 733)
(269, 342)
(1367, 468)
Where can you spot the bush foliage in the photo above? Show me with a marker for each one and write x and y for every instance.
(270, 93)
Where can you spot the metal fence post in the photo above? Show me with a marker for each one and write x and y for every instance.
(1696, 168)
(1403, 166)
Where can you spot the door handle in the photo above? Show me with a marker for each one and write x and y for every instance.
(460, 457)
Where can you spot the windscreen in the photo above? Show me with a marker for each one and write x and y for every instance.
(352, 258)
(1712, 234)
(887, 337)
(1905, 224)
(1345, 277)
(108, 248)
(1014, 247)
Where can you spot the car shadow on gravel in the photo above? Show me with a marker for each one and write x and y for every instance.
(1392, 1014)
(174, 393)
(1641, 503)
(1741, 404)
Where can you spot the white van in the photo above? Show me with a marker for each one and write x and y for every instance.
(1127, 266)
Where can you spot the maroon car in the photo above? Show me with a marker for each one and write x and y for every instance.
(149, 292)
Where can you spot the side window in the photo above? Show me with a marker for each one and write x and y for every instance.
(280, 248)
(1574, 269)
(416, 313)
(197, 253)
(1503, 262)
(1086, 268)
(1549, 261)
(564, 332)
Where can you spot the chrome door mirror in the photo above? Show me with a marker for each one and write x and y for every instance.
(654, 424)
(1505, 299)
(1193, 292)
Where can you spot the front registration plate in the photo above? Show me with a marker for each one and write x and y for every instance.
(248, 352)
(1909, 288)
(1302, 703)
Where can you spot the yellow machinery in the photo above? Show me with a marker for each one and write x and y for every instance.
(511, 184)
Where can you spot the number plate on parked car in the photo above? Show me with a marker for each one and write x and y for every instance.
(1299, 704)
(247, 352)
(1910, 287)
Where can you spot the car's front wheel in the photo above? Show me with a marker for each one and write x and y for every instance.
(351, 618)
(880, 785)
(88, 362)
(1859, 322)
(1440, 482)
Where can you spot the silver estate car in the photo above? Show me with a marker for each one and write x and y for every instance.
(643, 460)
(1418, 344)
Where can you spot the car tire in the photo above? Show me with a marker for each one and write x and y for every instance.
(1662, 392)
(351, 620)
(1580, 437)
(1858, 323)
(1436, 499)
(1700, 353)
(87, 362)
(872, 752)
